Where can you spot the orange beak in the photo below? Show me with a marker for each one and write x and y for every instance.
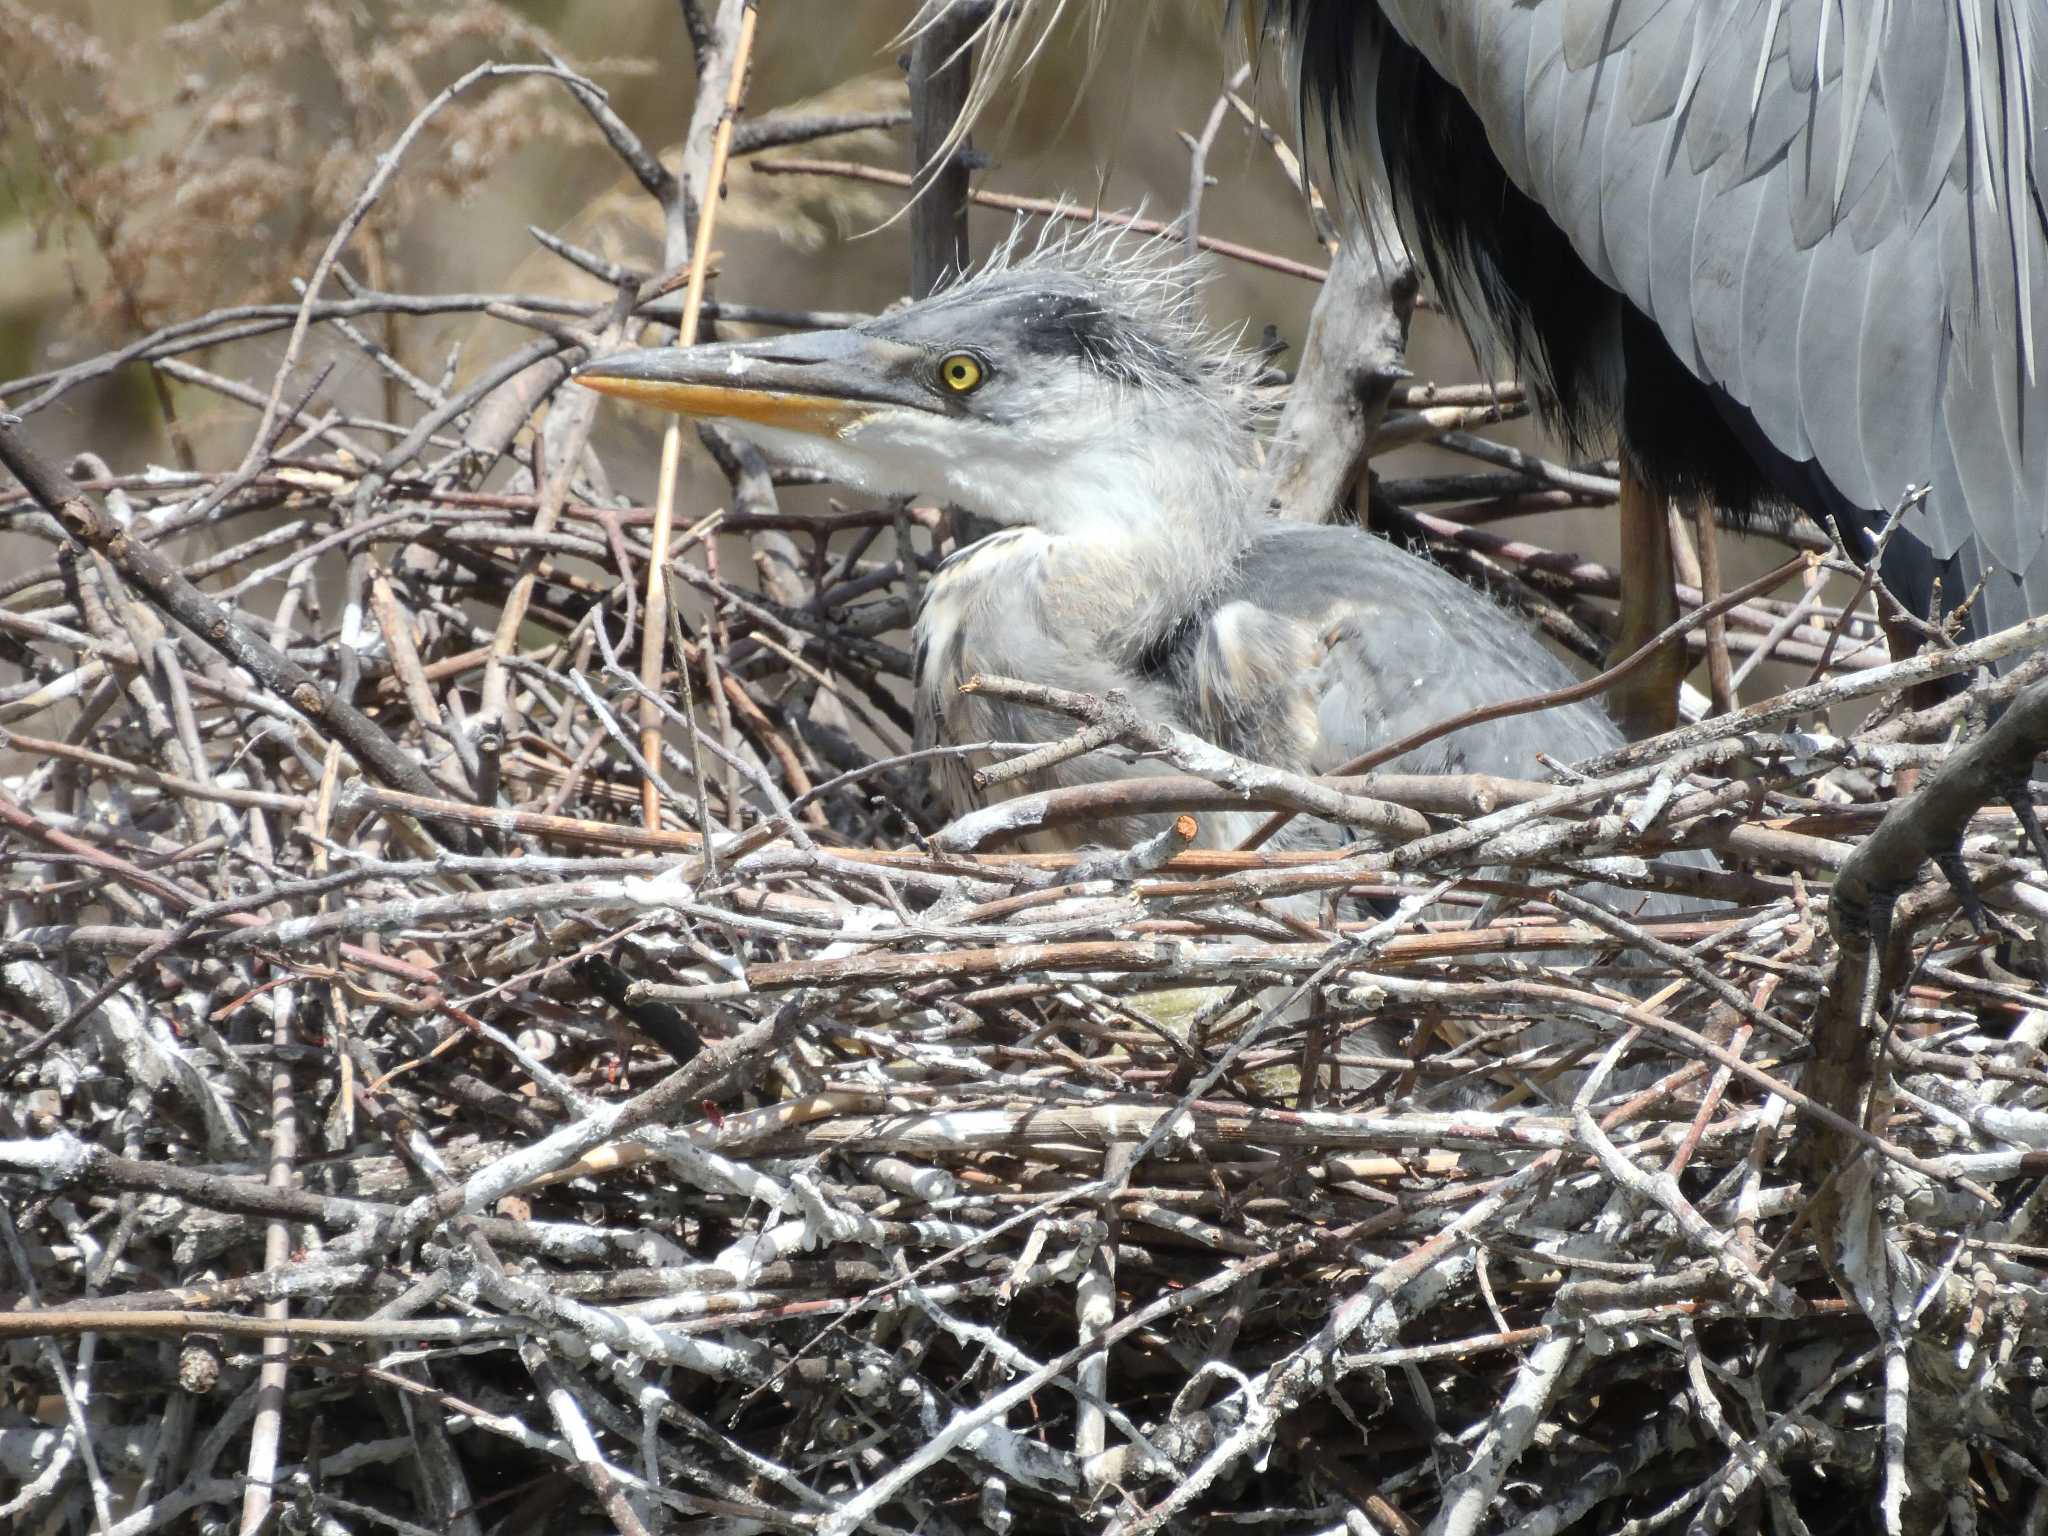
(823, 383)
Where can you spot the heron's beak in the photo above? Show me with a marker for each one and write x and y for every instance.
(824, 383)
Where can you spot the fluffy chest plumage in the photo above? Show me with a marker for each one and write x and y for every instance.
(1061, 612)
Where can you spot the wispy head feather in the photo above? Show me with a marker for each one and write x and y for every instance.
(1008, 40)
(1129, 305)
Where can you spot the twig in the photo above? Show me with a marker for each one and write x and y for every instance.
(387, 167)
(1591, 687)
(1047, 208)
(729, 58)
(161, 580)
(1198, 156)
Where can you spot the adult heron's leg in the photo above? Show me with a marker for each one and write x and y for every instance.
(1707, 535)
(1646, 701)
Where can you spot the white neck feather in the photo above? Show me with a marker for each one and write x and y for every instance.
(1151, 535)
(1148, 525)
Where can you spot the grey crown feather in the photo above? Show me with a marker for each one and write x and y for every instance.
(1146, 291)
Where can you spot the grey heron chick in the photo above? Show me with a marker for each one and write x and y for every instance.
(1072, 393)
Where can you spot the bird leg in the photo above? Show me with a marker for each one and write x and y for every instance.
(1646, 701)
(1720, 675)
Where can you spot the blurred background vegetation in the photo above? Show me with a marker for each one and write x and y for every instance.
(159, 158)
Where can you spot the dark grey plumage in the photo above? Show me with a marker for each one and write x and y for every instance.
(1795, 247)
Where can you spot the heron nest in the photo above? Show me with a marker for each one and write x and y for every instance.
(429, 1100)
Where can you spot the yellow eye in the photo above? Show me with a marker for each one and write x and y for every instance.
(960, 372)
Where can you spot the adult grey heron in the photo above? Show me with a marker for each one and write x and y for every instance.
(1072, 394)
(1794, 249)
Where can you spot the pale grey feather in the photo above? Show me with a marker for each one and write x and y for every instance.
(1774, 293)
(1827, 354)
(1318, 645)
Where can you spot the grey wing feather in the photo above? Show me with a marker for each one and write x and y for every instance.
(1717, 105)
(1677, 199)
(1803, 45)
(1829, 355)
(1586, 100)
(1596, 29)
(1774, 292)
(1778, 118)
(1502, 37)
(1755, 137)
(1543, 81)
(1815, 184)
(1898, 449)
(1720, 243)
(1869, 212)
(1396, 644)
(1624, 201)
(1656, 68)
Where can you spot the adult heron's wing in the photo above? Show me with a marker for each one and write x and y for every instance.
(1826, 206)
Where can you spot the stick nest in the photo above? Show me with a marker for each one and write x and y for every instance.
(457, 1153)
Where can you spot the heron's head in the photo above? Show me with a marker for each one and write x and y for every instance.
(1059, 387)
